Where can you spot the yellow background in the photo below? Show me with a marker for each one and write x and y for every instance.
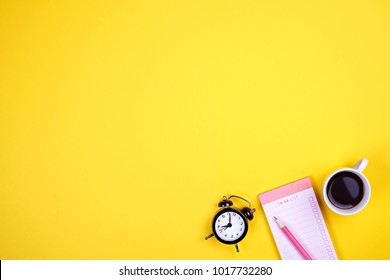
(123, 123)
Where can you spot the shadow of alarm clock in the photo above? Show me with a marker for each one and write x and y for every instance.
(230, 224)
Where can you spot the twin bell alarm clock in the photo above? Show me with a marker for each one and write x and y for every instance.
(230, 224)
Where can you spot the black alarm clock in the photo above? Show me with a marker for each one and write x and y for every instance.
(230, 224)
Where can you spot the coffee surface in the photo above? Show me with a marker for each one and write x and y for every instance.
(345, 190)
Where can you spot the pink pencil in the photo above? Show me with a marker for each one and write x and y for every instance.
(293, 239)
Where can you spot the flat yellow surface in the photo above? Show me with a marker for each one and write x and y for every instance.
(123, 123)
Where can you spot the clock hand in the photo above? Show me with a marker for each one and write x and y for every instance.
(230, 221)
(223, 228)
(229, 224)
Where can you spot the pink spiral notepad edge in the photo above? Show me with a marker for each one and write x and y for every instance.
(285, 190)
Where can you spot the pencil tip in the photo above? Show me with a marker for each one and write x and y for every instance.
(275, 218)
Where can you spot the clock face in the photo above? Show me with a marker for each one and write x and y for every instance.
(230, 226)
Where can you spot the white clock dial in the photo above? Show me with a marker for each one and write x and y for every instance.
(229, 226)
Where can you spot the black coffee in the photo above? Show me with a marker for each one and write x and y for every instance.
(345, 190)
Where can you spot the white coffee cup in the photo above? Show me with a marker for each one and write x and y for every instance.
(347, 190)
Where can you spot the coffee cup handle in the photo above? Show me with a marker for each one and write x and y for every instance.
(361, 165)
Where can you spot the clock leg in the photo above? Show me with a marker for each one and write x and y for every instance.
(236, 245)
(208, 236)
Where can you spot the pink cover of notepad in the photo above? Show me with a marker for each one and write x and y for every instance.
(297, 206)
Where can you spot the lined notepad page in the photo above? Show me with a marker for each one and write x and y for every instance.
(296, 205)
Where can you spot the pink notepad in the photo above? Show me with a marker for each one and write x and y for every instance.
(297, 206)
